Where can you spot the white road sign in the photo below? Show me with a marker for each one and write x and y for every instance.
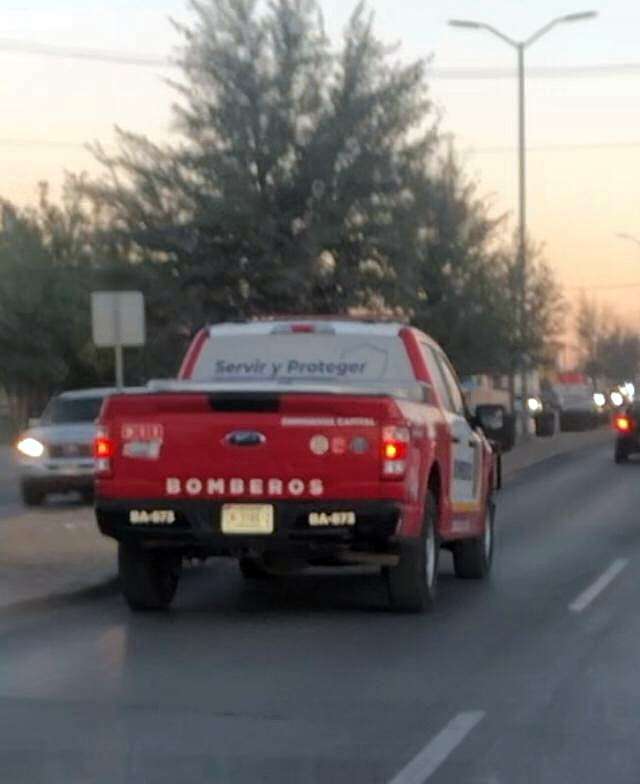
(118, 318)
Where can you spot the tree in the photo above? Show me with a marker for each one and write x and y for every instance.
(609, 351)
(463, 286)
(589, 330)
(50, 257)
(39, 301)
(619, 353)
(455, 286)
(293, 159)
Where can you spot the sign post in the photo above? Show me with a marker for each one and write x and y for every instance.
(117, 321)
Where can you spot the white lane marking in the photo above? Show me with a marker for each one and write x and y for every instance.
(427, 761)
(596, 588)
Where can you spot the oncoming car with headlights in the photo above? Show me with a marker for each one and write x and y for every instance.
(55, 455)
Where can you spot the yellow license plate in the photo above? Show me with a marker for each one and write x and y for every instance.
(247, 519)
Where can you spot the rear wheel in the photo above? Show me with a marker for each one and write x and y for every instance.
(621, 454)
(32, 495)
(413, 582)
(148, 580)
(472, 558)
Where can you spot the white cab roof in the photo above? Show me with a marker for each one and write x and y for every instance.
(337, 326)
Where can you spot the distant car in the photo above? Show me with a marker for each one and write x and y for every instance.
(55, 455)
(575, 402)
(578, 411)
(626, 423)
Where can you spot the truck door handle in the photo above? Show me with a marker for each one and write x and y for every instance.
(473, 443)
(455, 440)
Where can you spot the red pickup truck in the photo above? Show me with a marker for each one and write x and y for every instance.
(289, 443)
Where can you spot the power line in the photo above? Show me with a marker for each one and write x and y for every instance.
(450, 72)
(13, 142)
(540, 72)
(42, 143)
(605, 287)
(69, 52)
(554, 147)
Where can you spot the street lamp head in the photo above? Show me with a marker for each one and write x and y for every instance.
(583, 15)
(465, 23)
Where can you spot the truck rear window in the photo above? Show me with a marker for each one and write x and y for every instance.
(336, 359)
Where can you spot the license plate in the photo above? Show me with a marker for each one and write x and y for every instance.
(70, 469)
(247, 519)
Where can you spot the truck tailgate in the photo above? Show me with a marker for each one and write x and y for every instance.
(246, 445)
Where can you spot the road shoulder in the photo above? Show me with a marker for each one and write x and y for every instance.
(538, 450)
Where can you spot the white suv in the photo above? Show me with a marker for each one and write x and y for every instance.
(55, 455)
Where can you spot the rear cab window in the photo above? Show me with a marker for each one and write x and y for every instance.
(361, 360)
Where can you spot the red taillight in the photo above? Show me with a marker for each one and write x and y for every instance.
(102, 451)
(394, 450)
(623, 424)
(102, 448)
(395, 447)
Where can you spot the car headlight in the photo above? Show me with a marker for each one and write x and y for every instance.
(616, 398)
(30, 447)
(534, 405)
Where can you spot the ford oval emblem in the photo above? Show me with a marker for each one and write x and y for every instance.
(245, 438)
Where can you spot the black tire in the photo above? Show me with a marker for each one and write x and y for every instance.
(412, 584)
(253, 569)
(621, 454)
(148, 581)
(546, 424)
(87, 497)
(473, 558)
(32, 495)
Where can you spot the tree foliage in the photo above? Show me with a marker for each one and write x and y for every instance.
(44, 311)
(292, 164)
(609, 351)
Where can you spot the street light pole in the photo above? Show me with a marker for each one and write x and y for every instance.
(522, 227)
(521, 47)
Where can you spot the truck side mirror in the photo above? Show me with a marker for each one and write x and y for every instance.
(497, 425)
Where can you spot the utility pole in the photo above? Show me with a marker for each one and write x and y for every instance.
(522, 231)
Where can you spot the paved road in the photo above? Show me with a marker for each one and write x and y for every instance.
(533, 677)
(9, 496)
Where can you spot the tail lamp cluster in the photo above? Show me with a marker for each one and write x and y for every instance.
(102, 451)
(395, 450)
(623, 423)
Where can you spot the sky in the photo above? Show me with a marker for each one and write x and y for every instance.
(583, 131)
